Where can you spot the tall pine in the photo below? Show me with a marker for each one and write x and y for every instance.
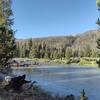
(98, 23)
(7, 40)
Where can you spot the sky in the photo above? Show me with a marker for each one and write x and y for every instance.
(43, 18)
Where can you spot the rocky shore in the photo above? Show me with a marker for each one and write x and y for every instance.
(35, 93)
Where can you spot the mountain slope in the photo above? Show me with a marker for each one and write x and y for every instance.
(87, 38)
(81, 45)
(79, 41)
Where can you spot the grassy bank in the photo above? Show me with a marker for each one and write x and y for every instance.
(84, 61)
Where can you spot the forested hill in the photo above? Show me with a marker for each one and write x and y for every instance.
(83, 44)
(87, 38)
(57, 42)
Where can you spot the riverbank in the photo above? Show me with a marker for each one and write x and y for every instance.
(26, 62)
(35, 93)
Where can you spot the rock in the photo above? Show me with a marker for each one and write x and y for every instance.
(8, 78)
(16, 83)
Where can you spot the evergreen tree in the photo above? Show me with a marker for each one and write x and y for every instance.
(68, 53)
(7, 40)
(2, 19)
(47, 52)
(17, 53)
(7, 46)
(75, 53)
(5, 13)
(98, 43)
(63, 52)
(34, 52)
(30, 43)
(88, 51)
(98, 23)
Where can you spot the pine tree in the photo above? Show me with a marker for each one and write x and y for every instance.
(7, 46)
(30, 43)
(5, 13)
(88, 51)
(98, 46)
(98, 43)
(98, 23)
(34, 52)
(7, 40)
(68, 53)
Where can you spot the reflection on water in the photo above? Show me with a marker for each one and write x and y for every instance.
(65, 79)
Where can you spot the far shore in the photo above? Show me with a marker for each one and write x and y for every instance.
(53, 65)
(44, 63)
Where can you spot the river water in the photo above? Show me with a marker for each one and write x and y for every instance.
(65, 79)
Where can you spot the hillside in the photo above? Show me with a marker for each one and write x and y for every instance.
(87, 38)
(80, 40)
(52, 41)
(83, 44)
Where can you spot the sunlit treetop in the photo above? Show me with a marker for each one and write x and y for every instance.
(5, 12)
(98, 3)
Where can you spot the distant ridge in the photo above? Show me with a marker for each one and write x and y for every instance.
(77, 41)
(87, 38)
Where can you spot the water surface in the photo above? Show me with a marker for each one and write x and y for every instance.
(66, 79)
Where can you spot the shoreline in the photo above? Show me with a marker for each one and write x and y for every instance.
(47, 62)
(52, 66)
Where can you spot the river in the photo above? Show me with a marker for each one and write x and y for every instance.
(65, 79)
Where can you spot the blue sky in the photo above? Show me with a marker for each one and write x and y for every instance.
(43, 18)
